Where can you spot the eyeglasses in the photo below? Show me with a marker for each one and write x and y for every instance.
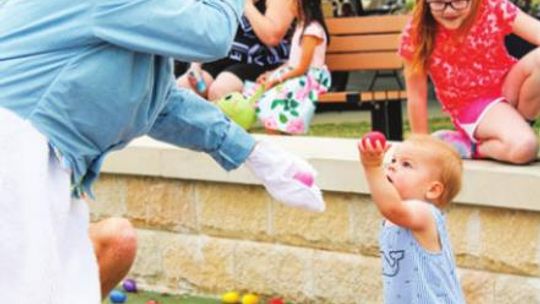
(439, 6)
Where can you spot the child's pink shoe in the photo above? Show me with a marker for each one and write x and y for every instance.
(463, 145)
(288, 178)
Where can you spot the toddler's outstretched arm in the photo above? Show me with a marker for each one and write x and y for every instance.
(411, 214)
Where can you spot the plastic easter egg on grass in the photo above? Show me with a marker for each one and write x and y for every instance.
(130, 285)
(276, 301)
(230, 297)
(152, 302)
(374, 137)
(116, 296)
(239, 109)
(250, 298)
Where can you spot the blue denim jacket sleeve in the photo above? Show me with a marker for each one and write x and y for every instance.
(188, 30)
(191, 122)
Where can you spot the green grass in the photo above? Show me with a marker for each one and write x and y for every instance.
(357, 129)
(142, 297)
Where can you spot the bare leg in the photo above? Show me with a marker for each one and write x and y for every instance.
(504, 135)
(115, 245)
(522, 85)
(224, 84)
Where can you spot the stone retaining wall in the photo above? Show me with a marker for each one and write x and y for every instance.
(208, 236)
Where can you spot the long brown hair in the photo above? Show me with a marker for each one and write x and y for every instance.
(424, 30)
(311, 10)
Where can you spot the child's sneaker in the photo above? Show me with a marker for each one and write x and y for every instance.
(463, 145)
(288, 178)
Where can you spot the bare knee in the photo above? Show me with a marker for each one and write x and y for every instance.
(217, 91)
(536, 59)
(224, 84)
(116, 235)
(524, 150)
(530, 63)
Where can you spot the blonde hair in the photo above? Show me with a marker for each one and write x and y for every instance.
(450, 165)
(425, 28)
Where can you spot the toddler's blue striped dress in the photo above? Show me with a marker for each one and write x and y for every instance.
(411, 274)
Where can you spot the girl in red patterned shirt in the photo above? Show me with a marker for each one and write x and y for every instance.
(491, 97)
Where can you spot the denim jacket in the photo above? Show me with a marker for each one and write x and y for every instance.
(91, 75)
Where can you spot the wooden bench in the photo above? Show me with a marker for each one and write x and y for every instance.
(369, 44)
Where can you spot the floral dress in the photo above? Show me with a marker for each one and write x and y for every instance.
(289, 106)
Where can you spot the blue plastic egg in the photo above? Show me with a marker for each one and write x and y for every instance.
(116, 296)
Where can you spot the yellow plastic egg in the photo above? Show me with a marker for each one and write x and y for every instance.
(250, 298)
(231, 297)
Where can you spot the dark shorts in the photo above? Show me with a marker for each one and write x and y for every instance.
(244, 71)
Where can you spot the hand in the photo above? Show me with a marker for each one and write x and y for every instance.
(371, 153)
(270, 84)
(192, 75)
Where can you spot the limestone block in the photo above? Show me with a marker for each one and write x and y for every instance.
(110, 192)
(329, 230)
(273, 269)
(511, 240)
(200, 263)
(366, 225)
(346, 278)
(464, 228)
(498, 240)
(161, 203)
(148, 261)
(233, 210)
(511, 289)
(478, 286)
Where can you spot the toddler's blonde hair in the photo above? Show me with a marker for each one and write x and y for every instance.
(450, 165)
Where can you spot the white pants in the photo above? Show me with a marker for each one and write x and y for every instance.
(46, 256)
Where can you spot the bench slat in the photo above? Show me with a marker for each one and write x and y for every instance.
(356, 43)
(366, 25)
(368, 43)
(340, 97)
(364, 61)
